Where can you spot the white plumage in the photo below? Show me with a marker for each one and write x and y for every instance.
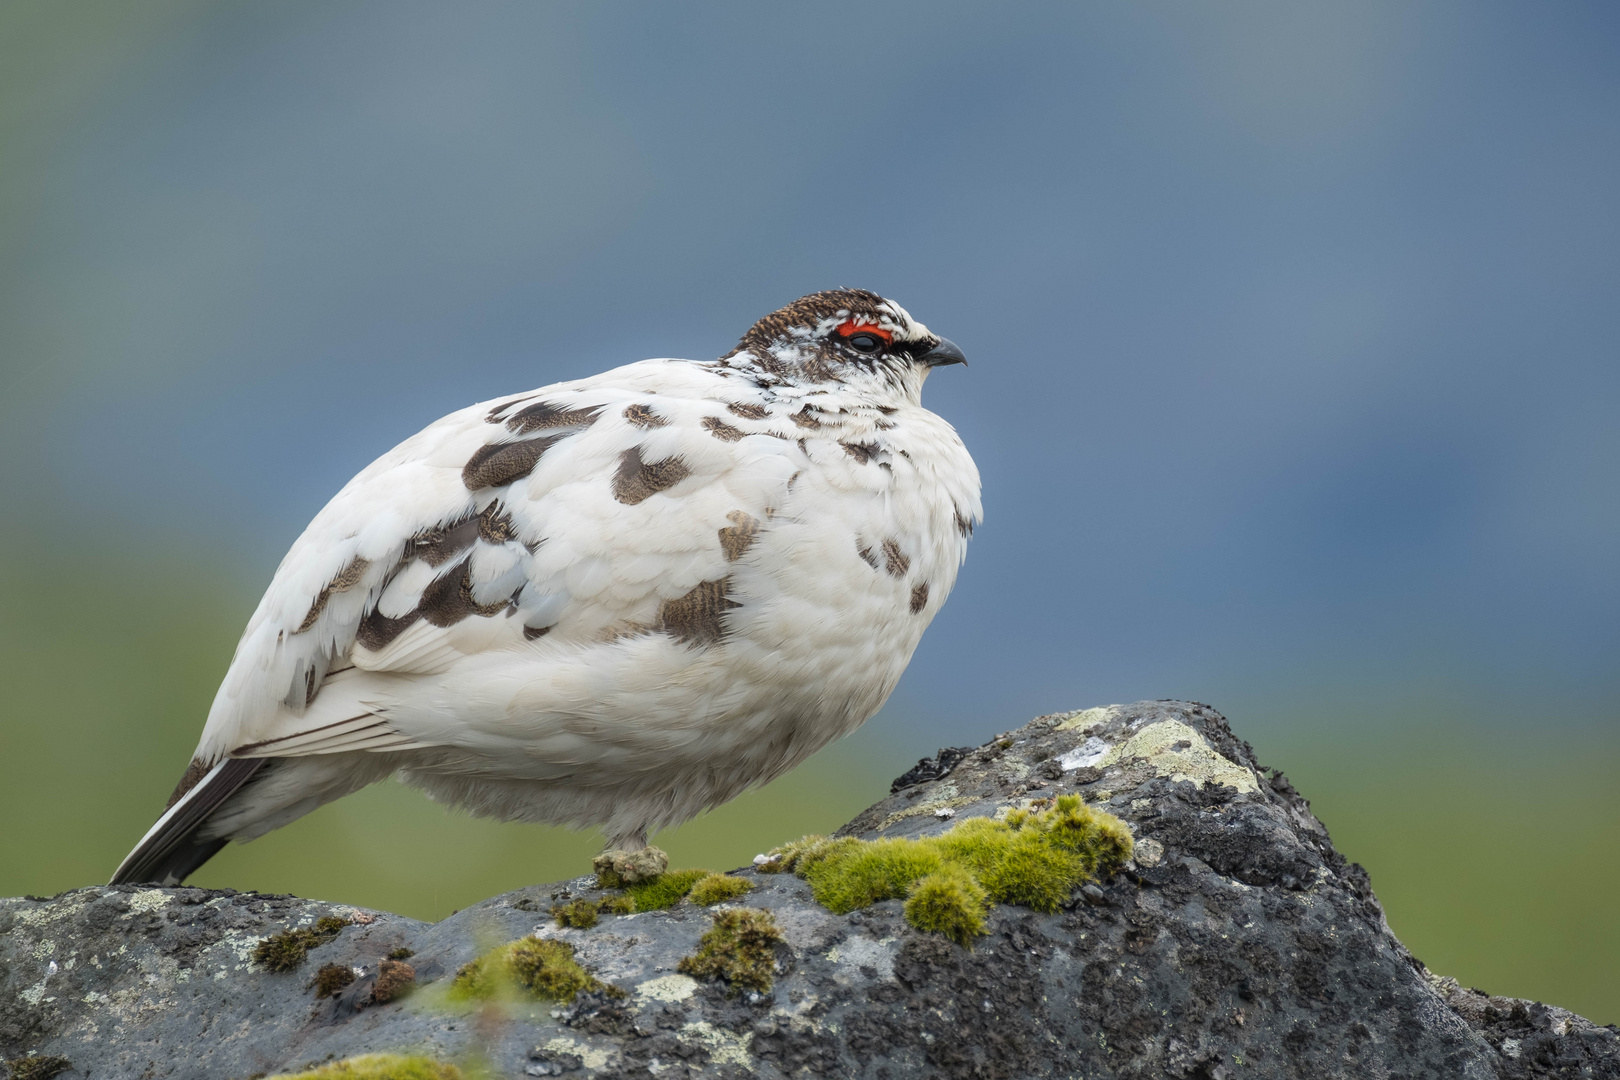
(616, 601)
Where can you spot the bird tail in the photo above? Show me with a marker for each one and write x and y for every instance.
(171, 849)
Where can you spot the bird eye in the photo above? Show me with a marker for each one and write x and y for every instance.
(865, 343)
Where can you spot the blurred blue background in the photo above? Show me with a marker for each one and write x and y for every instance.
(1294, 385)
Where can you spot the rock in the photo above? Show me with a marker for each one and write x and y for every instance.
(1237, 943)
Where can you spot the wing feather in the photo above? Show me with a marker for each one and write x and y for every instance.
(555, 520)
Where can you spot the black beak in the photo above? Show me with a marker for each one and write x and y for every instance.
(944, 353)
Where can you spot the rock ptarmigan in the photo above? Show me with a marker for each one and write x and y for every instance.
(613, 602)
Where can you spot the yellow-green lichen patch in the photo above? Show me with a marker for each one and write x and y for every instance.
(740, 949)
(930, 808)
(1085, 719)
(529, 966)
(1179, 752)
(1036, 857)
(286, 950)
(665, 890)
(716, 888)
(379, 1067)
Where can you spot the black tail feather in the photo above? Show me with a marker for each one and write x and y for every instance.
(170, 850)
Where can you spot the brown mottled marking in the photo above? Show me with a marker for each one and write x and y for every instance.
(532, 632)
(862, 452)
(498, 413)
(806, 312)
(964, 525)
(695, 619)
(190, 779)
(440, 544)
(735, 539)
(499, 464)
(894, 560)
(747, 411)
(639, 480)
(495, 526)
(888, 410)
(866, 553)
(448, 598)
(543, 415)
(804, 419)
(346, 579)
(377, 630)
(722, 430)
(919, 596)
(643, 417)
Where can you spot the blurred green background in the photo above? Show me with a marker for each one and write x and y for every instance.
(1293, 385)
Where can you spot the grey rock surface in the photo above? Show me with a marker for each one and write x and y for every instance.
(1239, 943)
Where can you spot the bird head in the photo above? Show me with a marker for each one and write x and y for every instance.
(846, 336)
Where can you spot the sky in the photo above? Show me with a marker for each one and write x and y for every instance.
(1292, 326)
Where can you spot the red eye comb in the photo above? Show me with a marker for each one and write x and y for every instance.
(851, 327)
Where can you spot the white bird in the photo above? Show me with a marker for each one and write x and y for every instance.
(612, 602)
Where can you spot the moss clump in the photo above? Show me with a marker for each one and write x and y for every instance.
(1036, 858)
(582, 914)
(741, 949)
(39, 1067)
(715, 888)
(332, 978)
(665, 890)
(532, 966)
(402, 953)
(948, 902)
(379, 1067)
(395, 979)
(286, 950)
(579, 915)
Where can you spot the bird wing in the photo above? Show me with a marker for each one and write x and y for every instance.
(556, 519)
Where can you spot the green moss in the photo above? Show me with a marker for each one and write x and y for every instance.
(740, 949)
(616, 905)
(286, 950)
(1035, 858)
(948, 902)
(718, 887)
(402, 953)
(39, 1067)
(665, 890)
(379, 1067)
(580, 915)
(332, 978)
(532, 966)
